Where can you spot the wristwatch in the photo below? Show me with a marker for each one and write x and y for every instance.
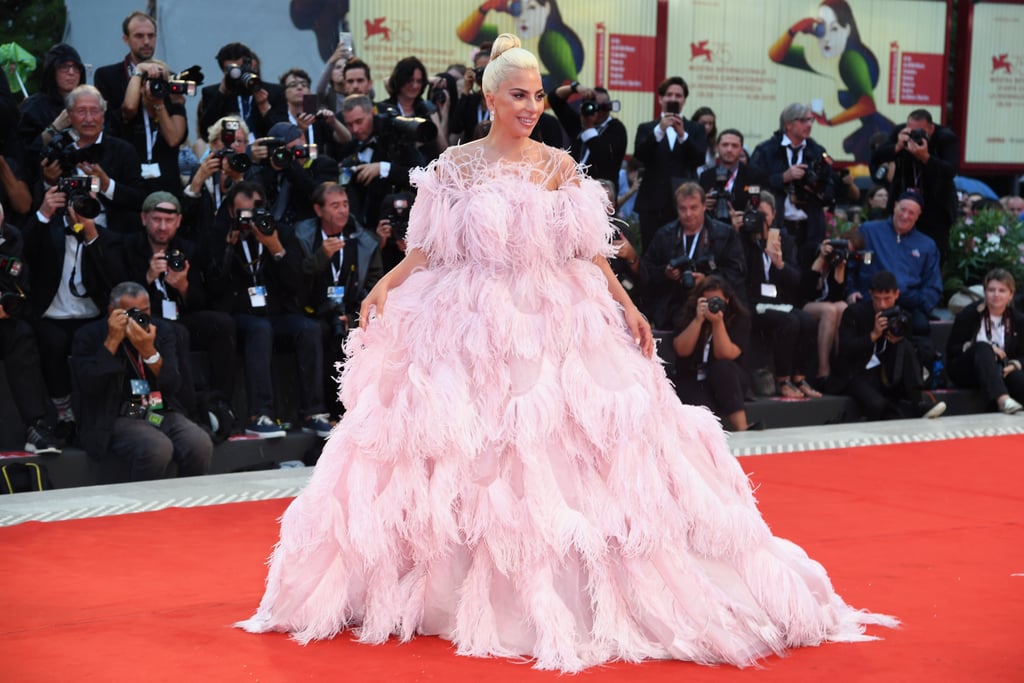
(574, 86)
(152, 360)
(139, 72)
(279, 255)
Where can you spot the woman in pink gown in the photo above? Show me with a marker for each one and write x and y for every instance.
(514, 472)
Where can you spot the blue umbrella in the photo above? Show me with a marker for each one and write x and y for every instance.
(974, 186)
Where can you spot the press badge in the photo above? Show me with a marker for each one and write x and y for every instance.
(336, 294)
(258, 296)
(150, 171)
(156, 400)
(169, 309)
(140, 387)
(769, 290)
(155, 419)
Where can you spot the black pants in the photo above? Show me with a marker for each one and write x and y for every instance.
(892, 389)
(24, 376)
(54, 336)
(214, 333)
(722, 391)
(792, 337)
(977, 368)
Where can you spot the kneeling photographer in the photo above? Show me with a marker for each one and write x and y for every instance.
(684, 252)
(877, 363)
(341, 263)
(289, 171)
(709, 344)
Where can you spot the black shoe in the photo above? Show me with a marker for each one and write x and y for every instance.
(66, 432)
(40, 440)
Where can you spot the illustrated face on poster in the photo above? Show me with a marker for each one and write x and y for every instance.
(533, 19)
(833, 43)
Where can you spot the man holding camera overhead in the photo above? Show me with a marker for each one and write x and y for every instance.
(171, 269)
(133, 422)
(258, 280)
(242, 92)
(799, 175)
(598, 140)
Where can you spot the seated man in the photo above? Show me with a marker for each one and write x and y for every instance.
(877, 362)
(908, 254)
(128, 381)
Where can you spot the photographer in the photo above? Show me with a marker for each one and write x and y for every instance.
(470, 108)
(986, 345)
(909, 254)
(138, 32)
(132, 420)
(406, 86)
(714, 332)
(671, 149)
(74, 264)
(823, 286)
(926, 159)
(377, 161)
(683, 252)
(773, 283)
(44, 113)
(319, 125)
(799, 175)
(598, 140)
(112, 161)
(289, 171)
(171, 270)
(242, 92)
(18, 349)
(154, 121)
(729, 183)
(259, 281)
(224, 164)
(341, 263)
(877, 365)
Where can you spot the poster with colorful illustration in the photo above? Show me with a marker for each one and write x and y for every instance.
(861, 65)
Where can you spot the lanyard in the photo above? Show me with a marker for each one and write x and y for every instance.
(309, 131)
(250, 262)
(150, 135)
(767, 266)
(135, 359)
(732, 178)
(693, 244)
(335, 271)
(1004, 324)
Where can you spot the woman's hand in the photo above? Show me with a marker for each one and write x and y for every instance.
(639, 328)
(374, 300)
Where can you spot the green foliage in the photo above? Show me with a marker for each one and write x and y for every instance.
(36, 25)
(991, 239)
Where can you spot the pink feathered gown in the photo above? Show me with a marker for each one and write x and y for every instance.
(514, 476)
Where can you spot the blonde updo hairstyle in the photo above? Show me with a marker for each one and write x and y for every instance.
(507, 55)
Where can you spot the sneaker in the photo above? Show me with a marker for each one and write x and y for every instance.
(264, 427)
(41, 441)
(317, 424)
(1010, 406)
(929, 407)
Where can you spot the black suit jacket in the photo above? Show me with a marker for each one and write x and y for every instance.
(101, 381)
(604, 153)
(366, 199)
(121, 162)
(213, 105)
(934, 179)
(137, 253)
(747, 176)
(112, 82)
(664, 168)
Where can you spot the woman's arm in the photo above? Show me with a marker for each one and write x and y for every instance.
(635, 321)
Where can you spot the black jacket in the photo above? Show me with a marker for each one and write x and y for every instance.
(213, 105)
(137, 253)
(934, 179)
(968, 323)
(665, 169)
(747, 178)
(603, 153)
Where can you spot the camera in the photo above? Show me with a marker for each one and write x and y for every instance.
(62, 150)
(242, 80)
(720, 195)
(814, 183)
(77, 189)
(140, 317)
(331, 311)
(841, 252)
(479, 73)
(164, 88)
(899, 321)
(175, 260)
(919, 136)
(688, 267)
(12, 302)
(591, 107)
(716, 304)
(438, 96)
(753, 220)
(282, 155)
(259, 218)
(398, 216)
(238, 161)
(390, 125)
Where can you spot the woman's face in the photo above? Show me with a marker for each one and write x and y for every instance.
(833, 43)
(518, 102)
(338, 74)
(997, 296)
(414, 87)
(708, 121)
(533, 19)
(880, 200)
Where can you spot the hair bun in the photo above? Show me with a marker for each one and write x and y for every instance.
(505, 41)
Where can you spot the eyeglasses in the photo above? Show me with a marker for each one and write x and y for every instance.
(297, 84)
(805, 119)
(68, 67)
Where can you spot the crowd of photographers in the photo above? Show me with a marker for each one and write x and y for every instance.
(124, 247)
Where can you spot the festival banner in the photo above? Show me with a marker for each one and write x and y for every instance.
(861, 65)
(994, 123)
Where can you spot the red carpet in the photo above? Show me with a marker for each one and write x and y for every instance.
(930, 532)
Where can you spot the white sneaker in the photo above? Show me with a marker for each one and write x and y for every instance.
(1010, 406)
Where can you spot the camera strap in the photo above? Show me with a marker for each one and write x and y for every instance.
(997, 334)
(255, 265)
(692, 249)
(150, 135)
